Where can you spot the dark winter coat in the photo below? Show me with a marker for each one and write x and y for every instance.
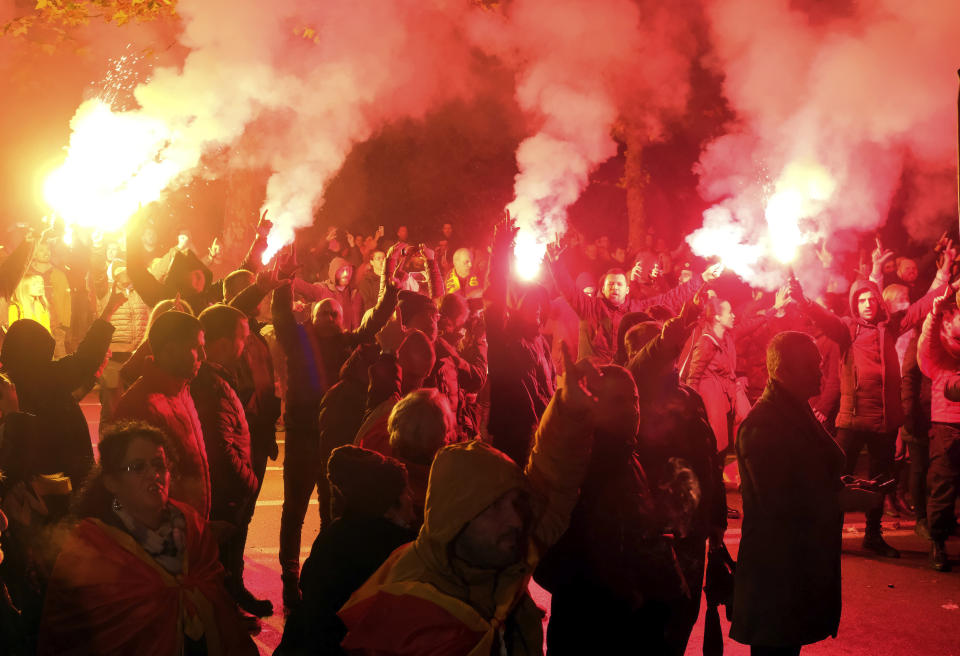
(521, 385)
(612, 570)
(870, 369)
(256, 382)
(600, 319)
(313, 362)
(45, 389)
(226, 438)
(341, 412)
(674, 424)
(343, 556)
(787, 589)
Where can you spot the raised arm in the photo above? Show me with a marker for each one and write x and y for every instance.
(78, 368)
(581, 303)
(676, 297)
(561, 451)
(831, 325)
(659, 354)
(931, 356)
(254, 259)
(495, 313)
(150, 290)
(382, 311)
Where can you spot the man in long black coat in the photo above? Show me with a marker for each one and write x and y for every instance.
(787, 590)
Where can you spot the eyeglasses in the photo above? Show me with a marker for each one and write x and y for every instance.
(139, 467)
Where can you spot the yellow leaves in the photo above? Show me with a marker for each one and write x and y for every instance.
(53, 18)
(307, 33)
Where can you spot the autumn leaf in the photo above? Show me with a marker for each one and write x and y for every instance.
(120, 17)
(41, 4)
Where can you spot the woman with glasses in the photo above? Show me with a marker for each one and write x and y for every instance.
(139, 573)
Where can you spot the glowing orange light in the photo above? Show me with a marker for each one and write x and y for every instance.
(114, 165)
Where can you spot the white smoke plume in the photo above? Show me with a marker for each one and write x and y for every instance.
(582, 65)
(860, 92)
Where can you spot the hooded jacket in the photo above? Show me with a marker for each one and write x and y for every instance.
(349, 298)
(45, 389)
(870, 369)
(424, 600)
(176, 281)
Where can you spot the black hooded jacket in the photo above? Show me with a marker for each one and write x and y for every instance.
(45, 389)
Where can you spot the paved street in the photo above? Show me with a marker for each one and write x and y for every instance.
(890, 607)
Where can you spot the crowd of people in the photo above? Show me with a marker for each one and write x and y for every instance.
(465, 432)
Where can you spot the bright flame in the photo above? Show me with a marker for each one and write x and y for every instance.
(114, 165)
(801, 192)
(528, 253)
(723, 237)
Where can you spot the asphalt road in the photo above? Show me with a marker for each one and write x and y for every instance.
(890, 607)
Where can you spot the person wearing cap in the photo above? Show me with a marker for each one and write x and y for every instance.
(372, 516)
(461, 586)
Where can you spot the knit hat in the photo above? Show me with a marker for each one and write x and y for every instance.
(411, 304)
(365, 482)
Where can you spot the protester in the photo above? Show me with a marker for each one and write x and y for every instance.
(146, 563)
(613, 569)
(461, 587)
(787, 589)
(45, 388)
(226, 438)
(600, 316)
(374, 515)
(870, 406)
(521, 371)
(161, 397)
(315, 353)
(938, 354)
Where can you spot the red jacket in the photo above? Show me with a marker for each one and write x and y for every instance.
(165, 402)
(870, 369)
(941, 368)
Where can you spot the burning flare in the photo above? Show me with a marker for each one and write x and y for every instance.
(756, 249)
(114, 165)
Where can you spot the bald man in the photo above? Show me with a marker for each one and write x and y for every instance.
(787, 590)
(461, 279)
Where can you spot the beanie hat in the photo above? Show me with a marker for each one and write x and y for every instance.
(411, 304)
(366, 482)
